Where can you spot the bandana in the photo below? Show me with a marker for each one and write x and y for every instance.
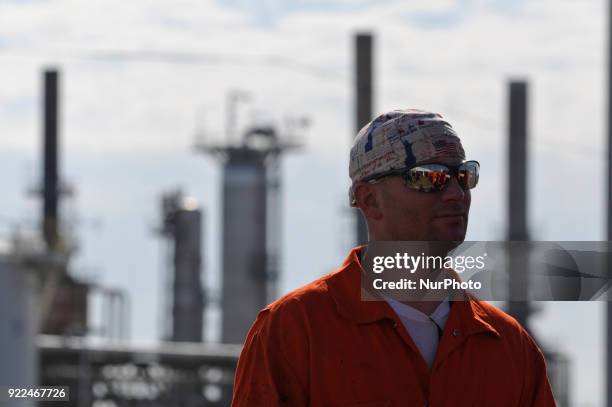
(401, 139)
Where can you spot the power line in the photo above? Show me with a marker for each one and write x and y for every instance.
(340, 77)
(187, 58)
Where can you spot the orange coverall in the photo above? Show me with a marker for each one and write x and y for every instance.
(320, 345)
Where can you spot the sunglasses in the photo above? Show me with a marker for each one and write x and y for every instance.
(435, 177)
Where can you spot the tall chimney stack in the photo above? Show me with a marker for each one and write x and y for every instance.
(50, 187)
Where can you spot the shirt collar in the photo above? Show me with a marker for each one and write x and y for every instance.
(414, 314)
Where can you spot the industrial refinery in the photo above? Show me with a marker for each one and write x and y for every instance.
(221, 255)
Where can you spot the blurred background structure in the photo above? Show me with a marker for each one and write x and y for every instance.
(125, 318)
(182, 227)
(251, 226)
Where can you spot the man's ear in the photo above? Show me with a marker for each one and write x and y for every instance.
(368, 199)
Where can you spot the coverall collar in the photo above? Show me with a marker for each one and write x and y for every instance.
(466, 315)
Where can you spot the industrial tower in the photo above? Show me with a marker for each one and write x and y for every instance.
(182, 227)
(251, 226)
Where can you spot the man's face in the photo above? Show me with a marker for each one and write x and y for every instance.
(408, 214)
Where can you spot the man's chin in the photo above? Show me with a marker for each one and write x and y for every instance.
(450, 233)
(452, 238)
(442, 247)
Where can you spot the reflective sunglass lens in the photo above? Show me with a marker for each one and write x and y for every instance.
(468, 174)
(434, 177)
(428, 178)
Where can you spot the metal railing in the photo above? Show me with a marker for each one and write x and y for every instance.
(118, 375)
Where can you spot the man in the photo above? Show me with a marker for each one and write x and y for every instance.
(322, 345)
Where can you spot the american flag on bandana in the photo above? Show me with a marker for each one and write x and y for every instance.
(445, 148)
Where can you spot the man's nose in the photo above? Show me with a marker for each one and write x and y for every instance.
(453, 191)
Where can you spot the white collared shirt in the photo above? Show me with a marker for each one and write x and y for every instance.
(424, 330)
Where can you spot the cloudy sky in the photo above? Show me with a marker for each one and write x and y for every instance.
(141, 79)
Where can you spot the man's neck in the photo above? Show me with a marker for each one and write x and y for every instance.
(426, 307)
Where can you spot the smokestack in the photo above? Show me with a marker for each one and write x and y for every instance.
(51, 158)
(608, 379)
(518, 233)
(182, 226)
(363, 105)
(188, 301)
(517, 162)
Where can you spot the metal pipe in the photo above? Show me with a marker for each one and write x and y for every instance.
(363, 106)
(51, 158)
